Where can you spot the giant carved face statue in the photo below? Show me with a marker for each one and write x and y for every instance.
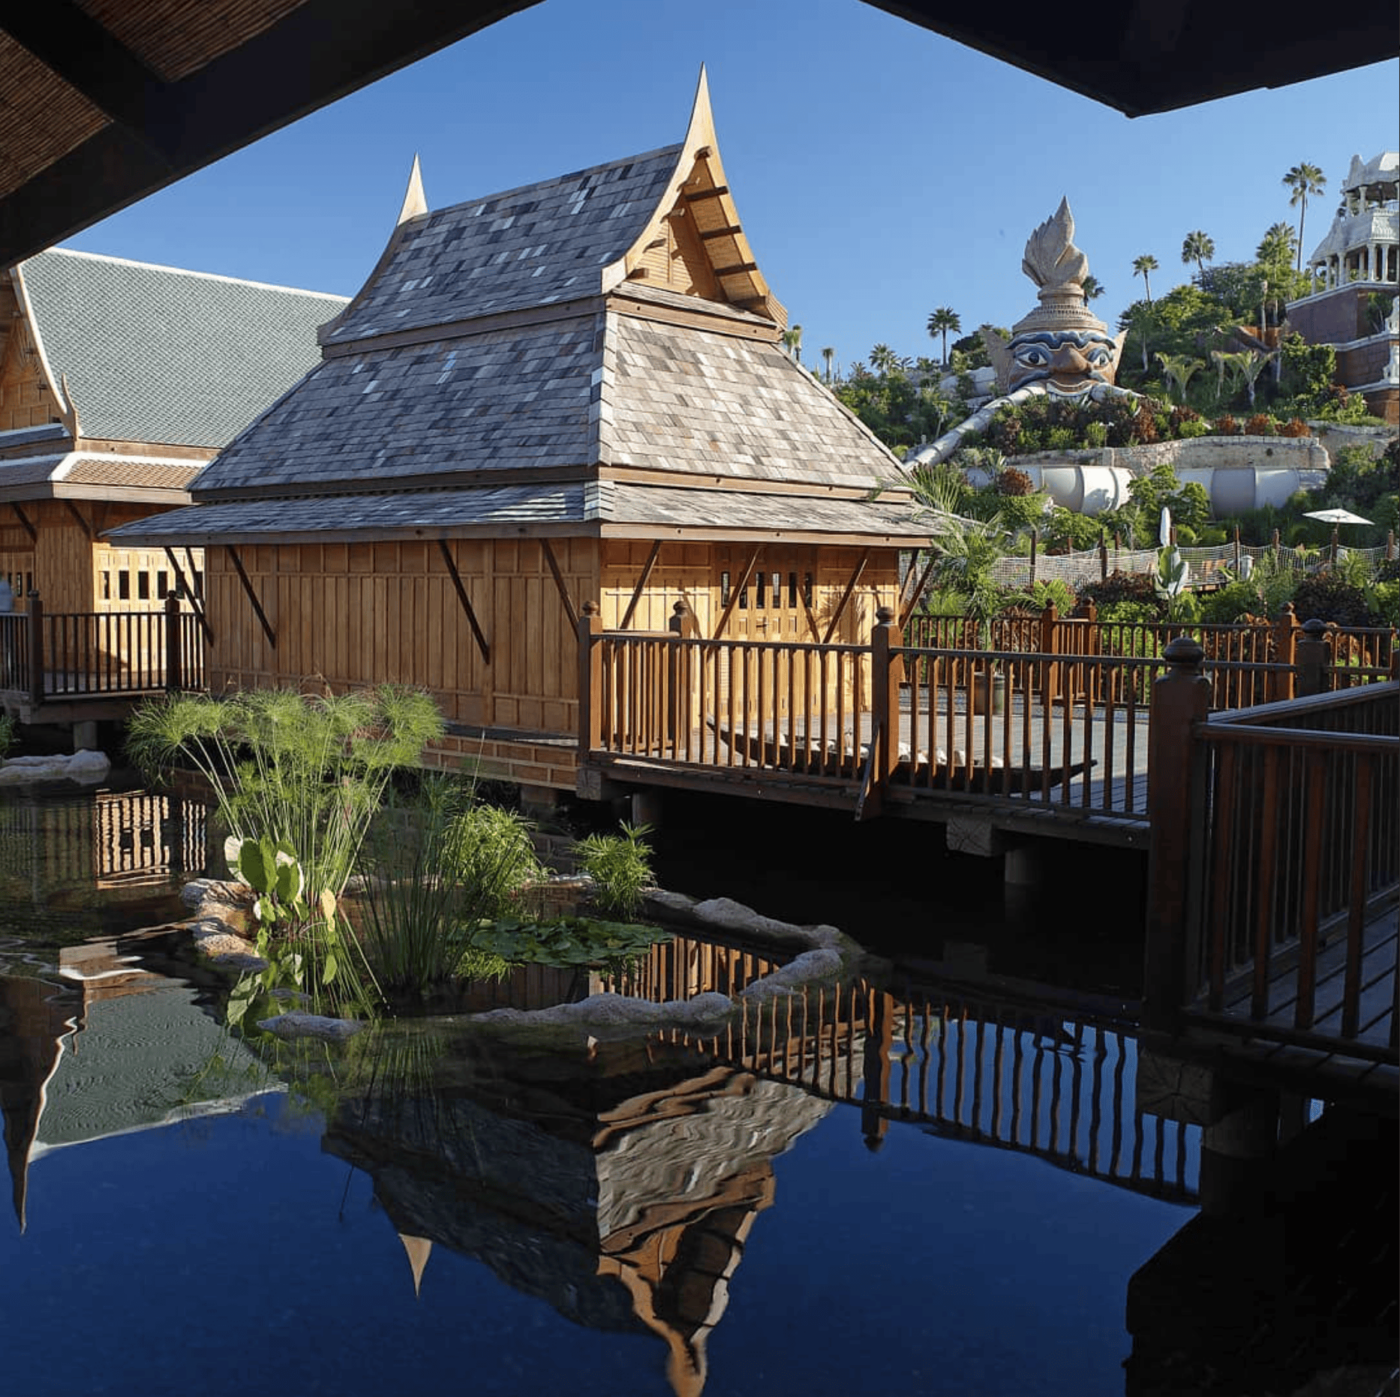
(1068, 362)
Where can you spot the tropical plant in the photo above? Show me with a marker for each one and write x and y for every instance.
(1093, 287)
(792, 342)
(1302, 180)
(437, 863)
(1179, 369)
(620, 867)
(828, 362)
(305, 772)
(1144, 266)
(1198, 247)
(943, 321)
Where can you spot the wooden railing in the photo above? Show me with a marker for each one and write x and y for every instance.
(1276, 845)
(1036, 1079)
(66, 655)
(1250, 662)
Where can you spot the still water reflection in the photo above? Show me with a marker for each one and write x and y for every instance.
(900, 1185)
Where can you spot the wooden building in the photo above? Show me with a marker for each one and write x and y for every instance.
(118, 382)
(571, 392)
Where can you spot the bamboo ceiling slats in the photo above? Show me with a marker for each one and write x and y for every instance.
(175, 38)
(42, 118)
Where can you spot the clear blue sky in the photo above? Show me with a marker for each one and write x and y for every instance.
(880, 170)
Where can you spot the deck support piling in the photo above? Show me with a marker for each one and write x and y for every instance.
(1175, 787)
(1238, 1148)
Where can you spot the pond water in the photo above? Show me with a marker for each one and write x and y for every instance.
(918, 1187)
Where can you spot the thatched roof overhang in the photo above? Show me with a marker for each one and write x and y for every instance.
(587, 510)
(111, 101)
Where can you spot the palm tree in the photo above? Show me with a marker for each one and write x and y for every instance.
(792, 342)
(1198, 247)
(829, 358)
(1179, 369)
(1303, 179)
(1143, 266)
(1093, 287)
(943, 320)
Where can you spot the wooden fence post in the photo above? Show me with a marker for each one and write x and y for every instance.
(590, 680)
(886, 677)
(173, 679)
(36, 648)
(1314, 659)
(1176, 767)
(1283, 682)
(1035, 548)
(1049, 619)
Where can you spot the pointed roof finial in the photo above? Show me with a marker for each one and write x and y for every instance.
(415, 202)
(419, 1249)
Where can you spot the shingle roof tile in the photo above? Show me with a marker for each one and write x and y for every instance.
(162, 355)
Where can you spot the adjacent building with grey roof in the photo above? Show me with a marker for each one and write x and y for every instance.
(118, 381)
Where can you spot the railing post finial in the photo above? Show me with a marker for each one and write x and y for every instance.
(1313, 658)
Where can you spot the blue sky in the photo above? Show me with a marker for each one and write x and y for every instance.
(880, 170)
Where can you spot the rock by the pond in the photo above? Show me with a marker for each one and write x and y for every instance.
(602, 1010)
(819, 964)
(299, 1025)
(218, 890)
(734, 916)
(86, 768)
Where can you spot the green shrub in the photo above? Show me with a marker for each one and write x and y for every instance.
(1227, 604)
(7, 734)
(437, 865)
(620, 866)
(1328, 597)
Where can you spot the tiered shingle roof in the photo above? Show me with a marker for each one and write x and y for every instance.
(509, 351)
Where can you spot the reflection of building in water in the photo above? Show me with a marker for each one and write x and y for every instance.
(55, 853)
(116, 1049)
(621, 1191)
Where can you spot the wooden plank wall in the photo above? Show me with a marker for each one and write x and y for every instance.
(24, 397)
(347, 614)
(62, 556)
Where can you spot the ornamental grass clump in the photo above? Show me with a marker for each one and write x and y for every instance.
(437, 866)
(301, 775)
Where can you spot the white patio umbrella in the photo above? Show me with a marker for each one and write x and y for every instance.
(1335, 516)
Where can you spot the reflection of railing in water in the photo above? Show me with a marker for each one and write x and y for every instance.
(110, 837)
(684, 967)
(1024, 1078)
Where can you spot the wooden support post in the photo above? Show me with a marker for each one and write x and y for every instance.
(1035, 548)
(1175, 797)
(907, 610)
(1103, 556)
(26, 523)
(252, 595)
(641, 585)
(1278, 550)
(886, 677)
(738, 591)
(1390, 552)
(189, 589)
(555, 571)
(879, 1039)
(590, 681)
(36, 648)
(846, 598)
(1282, 682)
(1049, 674)
(173, 681)
(83, 522)
(466, 602)
(1314, 660)
(1238, 562)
